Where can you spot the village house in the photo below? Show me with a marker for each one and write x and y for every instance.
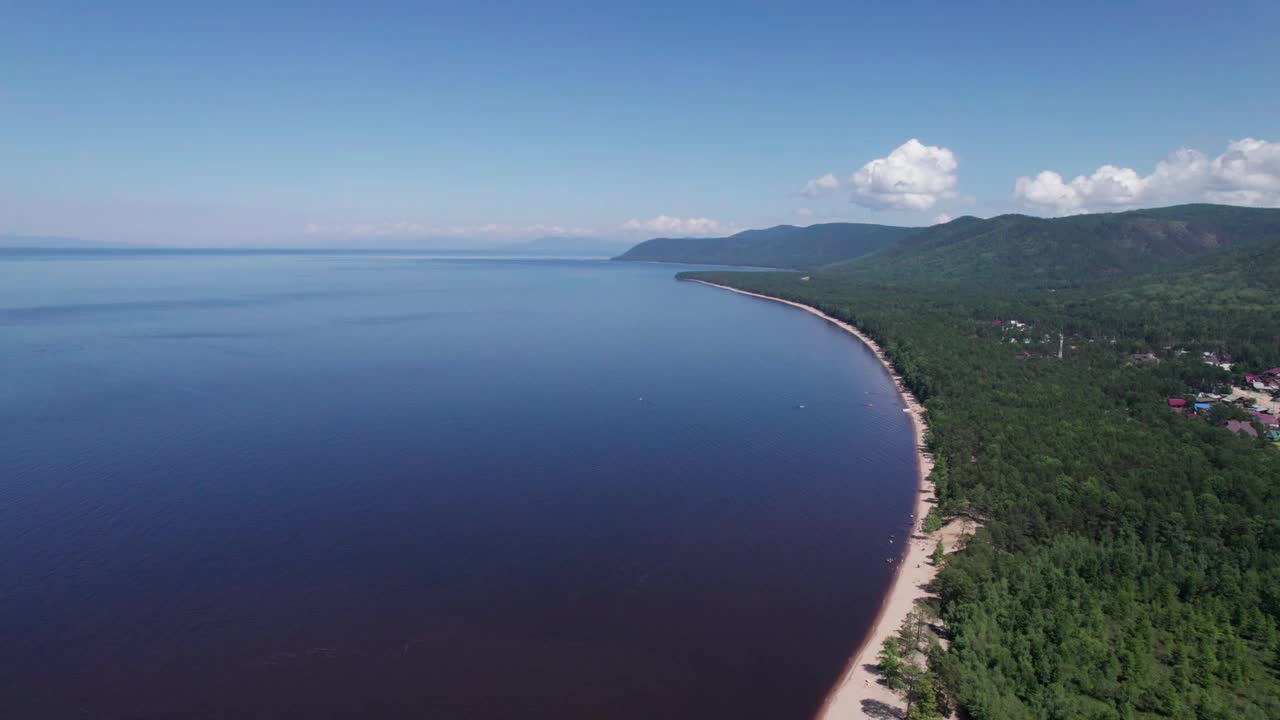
(1264, 382)
(1014, 324)
(1240, 426)
(1222, 361)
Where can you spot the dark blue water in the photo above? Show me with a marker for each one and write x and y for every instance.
(387, 486)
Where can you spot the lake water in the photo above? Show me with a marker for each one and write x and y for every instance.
(390, 486)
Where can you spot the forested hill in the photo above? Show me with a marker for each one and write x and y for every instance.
(1129, 563)
(1226, 302)
(784, 246)
(1064, 252)
(1009, 249)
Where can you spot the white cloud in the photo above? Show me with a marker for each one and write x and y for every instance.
(564, 230)
(667, 225)
(803, 212)
(1107, 186)
(820, 186)
(914, 176)
(941, 218)
(1248, 173)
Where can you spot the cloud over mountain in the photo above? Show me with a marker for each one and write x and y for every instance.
(1247, 173)
(914, 176)
(820, 186)
(667, 225)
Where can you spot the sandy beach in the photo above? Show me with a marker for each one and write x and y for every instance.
(858, 693)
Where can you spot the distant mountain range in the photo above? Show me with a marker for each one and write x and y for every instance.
(44, 241)
(543, 246)
(1012, 250)
(570, 246)
(784, 246)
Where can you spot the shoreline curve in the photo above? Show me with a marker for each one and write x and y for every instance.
(859, 686)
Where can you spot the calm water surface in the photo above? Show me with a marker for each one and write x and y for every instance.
(389, 486)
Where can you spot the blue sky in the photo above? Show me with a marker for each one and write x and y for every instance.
(475, 123)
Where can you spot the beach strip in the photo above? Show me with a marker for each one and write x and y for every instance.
(858, 694)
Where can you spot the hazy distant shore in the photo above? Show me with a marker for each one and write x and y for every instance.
(858, 686)
(744, 268)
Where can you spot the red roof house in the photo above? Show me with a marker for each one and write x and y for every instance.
(1266, 419)
(1177, 402)
(1237, 426)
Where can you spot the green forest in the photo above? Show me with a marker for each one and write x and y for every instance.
(1128, 565)
(784, 246)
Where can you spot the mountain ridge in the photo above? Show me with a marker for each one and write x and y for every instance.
(1011, 249)
(781, 246)
(1023, 250)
